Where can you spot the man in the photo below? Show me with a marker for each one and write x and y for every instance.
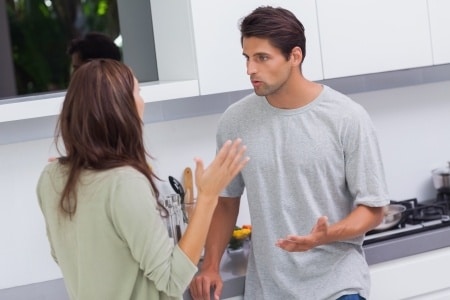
(93, 45)
(315, 184)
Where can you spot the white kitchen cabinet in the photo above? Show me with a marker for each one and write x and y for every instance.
(419, 277)
(50, 104)
(369, 36)
(440, 30)
(438, 295)
(198, 39)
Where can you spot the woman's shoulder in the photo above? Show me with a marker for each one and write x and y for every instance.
(54, 169)
(56, 172)
(124, 174)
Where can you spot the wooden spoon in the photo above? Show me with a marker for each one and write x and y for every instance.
(188, 185)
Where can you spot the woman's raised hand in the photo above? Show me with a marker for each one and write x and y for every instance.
(228, 162)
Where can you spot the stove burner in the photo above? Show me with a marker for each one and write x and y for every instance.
(418, 213)
(418, 217)
(427, 213)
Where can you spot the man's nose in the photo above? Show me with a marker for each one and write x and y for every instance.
(251, 68)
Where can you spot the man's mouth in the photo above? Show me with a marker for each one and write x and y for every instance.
(256, 83)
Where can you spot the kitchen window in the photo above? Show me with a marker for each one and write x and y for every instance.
(35, 35)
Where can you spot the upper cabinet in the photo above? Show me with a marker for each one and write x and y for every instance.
(198, 48)
(370, 36)
(440, 30)
(200, 39)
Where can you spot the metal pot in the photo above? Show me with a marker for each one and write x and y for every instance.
(441, 177)
(392, 216)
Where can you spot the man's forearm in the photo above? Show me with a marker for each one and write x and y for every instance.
(220, 231)
(358, 222)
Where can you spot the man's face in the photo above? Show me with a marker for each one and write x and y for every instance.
(76, 62)
(138, 98)
(267, 67)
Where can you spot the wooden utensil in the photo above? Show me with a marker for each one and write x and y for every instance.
(188, 185)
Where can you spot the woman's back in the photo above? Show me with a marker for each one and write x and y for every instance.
(100, 249)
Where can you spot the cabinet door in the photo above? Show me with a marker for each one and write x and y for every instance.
(438, 295)
(369, 36)
(412, 277)
(174, 46)
(440, 30)
(220, 63)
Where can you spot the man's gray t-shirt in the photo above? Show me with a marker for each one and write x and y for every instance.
(320, 159)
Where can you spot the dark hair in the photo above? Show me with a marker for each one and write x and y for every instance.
(100, 126)
(280, 26)
(94, 45)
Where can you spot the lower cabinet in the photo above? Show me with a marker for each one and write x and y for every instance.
(417, 277)
(438, 295)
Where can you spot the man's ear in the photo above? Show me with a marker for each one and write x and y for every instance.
(296, 55)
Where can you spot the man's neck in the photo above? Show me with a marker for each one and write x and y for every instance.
(296, 94)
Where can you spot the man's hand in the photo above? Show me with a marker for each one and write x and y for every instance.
(203, 283)
(296, 243)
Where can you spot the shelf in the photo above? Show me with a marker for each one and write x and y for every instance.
(49, 105)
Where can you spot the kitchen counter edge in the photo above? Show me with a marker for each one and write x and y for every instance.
(233, 274)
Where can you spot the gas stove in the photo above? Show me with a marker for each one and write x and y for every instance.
(418, 217)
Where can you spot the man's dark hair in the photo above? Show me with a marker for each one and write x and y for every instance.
(94, 45)
(280, 26)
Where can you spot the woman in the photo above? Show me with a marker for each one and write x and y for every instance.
(99, 199)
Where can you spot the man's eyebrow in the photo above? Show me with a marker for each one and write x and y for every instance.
(256, 54)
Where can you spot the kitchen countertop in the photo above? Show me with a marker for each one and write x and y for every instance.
(407, 245)
(233, 269)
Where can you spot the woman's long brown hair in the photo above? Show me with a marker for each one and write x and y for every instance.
(100, 126)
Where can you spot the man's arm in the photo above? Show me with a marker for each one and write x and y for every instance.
(220, 231)
(358, 222)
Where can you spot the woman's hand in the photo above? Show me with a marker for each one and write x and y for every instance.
(228, 162)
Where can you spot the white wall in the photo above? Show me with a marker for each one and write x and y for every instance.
(413, 125)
